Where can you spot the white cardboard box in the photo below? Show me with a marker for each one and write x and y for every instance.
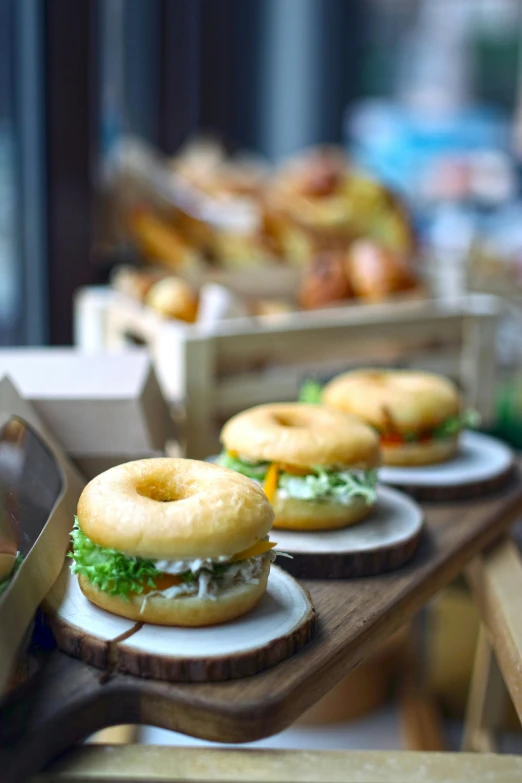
(99, 406)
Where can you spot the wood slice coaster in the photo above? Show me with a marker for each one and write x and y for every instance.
(386, 540)
(280, 625)
(482, 465)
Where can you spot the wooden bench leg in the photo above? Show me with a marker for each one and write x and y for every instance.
(486, 701)
(420, 720)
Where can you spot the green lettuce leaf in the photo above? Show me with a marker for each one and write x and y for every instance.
(454, 424)
(341, 486)
(110, 570)
(118, 574)
(320, 485)
(311, 391)
(253, 470)
(4, 583)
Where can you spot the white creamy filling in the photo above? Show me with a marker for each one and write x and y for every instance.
(298, 488)
(286, 494)
(181, 566)
(318, 489)
(197, 564)
(250, 461)
(205, 585)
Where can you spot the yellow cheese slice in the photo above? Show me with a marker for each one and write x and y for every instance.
(271, 479)
(259, 548)
(162, 582)
(233, 454)
(294, 470)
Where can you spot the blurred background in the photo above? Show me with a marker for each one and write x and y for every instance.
(300, 154)
(100, 98)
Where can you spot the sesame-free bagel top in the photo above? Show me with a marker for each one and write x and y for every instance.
(174, 509)
(303, 435)
(407, 400)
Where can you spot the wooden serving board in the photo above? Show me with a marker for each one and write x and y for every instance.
(482, 465)
(69, 699)
(280, 625)
(382, 542)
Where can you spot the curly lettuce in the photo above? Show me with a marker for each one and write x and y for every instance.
(448, 428)
(4, 583)
(122, 575)
(110, 570)
(253, 470)
(454, 424)
(311, 391)
(319, 484)
(337, 486)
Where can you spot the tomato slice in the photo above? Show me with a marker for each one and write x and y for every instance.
(392, 439)
(396, 439)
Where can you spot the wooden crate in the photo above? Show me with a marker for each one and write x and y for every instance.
(214, 372)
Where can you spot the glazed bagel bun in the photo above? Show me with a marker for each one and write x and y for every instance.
(410, 411)
(317, 466)
(173, 542)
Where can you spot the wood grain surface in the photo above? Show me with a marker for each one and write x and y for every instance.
(495, 579)
(382, 542)
(482, 465)
(352, 565)
(69, 700)
(278, 627)
(467, 491)
(163, 764)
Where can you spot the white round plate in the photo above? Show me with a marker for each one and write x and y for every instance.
(395, 519)
(384, 541)
(479, 458)
(279, 625)
(281, 609)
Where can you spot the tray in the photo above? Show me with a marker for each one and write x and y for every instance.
(68, 699)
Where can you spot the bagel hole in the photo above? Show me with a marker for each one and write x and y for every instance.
(285, 420)
(158, 492)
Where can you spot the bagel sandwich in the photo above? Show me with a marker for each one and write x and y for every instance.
(417, 415)
(317, 466)
(173, 542)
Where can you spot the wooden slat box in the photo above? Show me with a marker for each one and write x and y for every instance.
(216, 371)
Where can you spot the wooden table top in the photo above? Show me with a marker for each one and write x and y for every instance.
(70, 699)
(354, 616)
